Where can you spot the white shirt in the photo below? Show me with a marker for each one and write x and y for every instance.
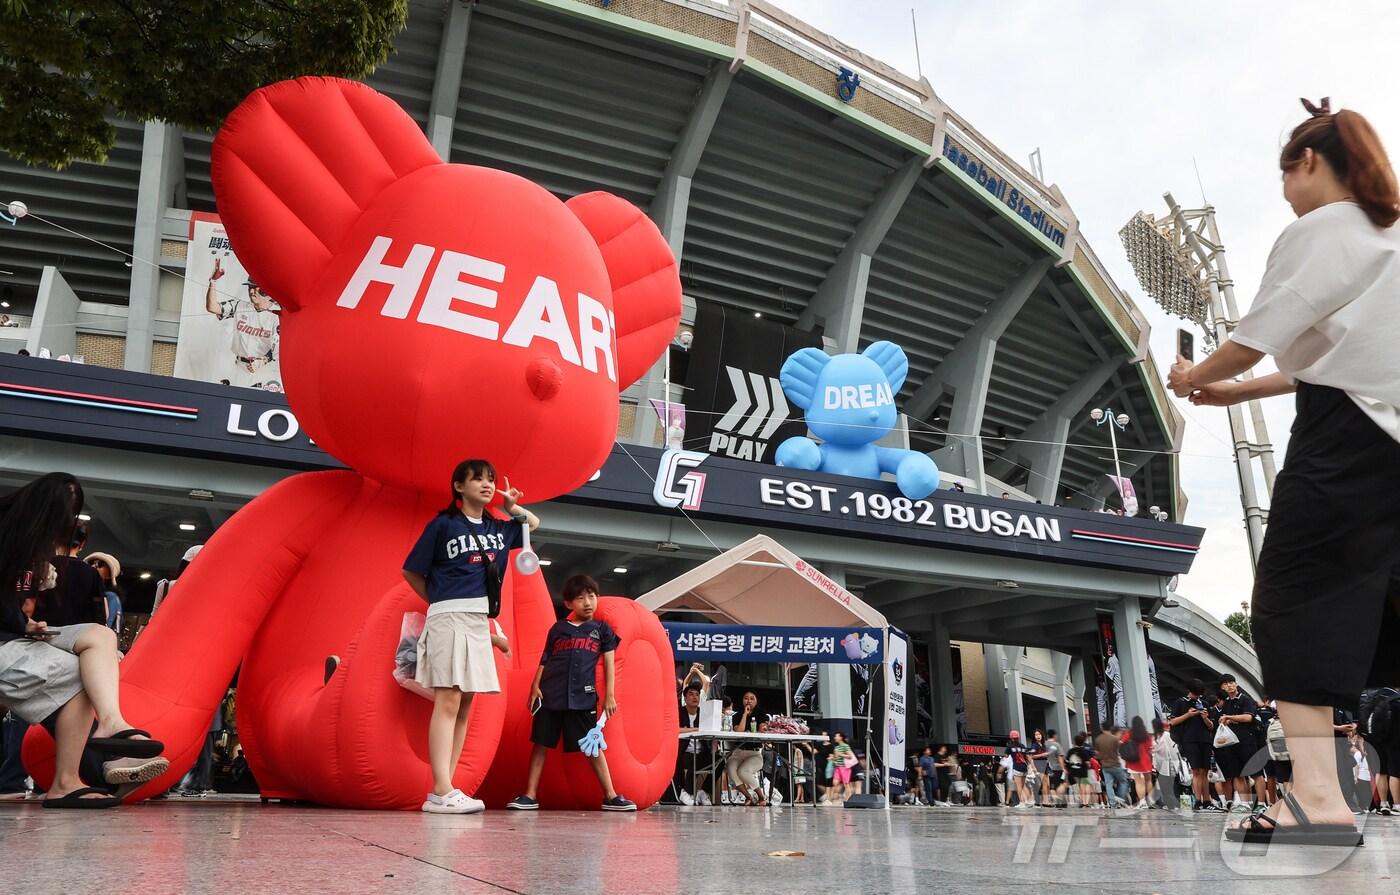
(1328, 309)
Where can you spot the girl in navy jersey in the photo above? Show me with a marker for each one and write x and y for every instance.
(448, 568)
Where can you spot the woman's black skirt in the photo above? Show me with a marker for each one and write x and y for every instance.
(1326, 619)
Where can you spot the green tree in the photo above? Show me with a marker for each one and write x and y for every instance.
(65, 65)
(1239, 623)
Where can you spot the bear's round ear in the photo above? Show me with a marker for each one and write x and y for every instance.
(295, 165)
(646, 285)
(799, 374)
(892, 360)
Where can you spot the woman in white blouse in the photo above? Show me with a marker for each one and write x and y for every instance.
(1327, 586)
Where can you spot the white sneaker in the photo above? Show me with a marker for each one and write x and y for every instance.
(703, 798)
(686, 798)
(455, 802)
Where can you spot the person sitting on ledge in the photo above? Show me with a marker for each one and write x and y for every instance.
(62, 676)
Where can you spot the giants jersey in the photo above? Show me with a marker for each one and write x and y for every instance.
(254, 332)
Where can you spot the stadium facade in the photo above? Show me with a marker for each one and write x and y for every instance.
(809, 192)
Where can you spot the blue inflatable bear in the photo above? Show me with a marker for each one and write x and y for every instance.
(849, 404)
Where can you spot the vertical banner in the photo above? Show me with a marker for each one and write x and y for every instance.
(896, 705)
(959, 702)
(1110, 700)
(672, 417)
(1157, 708)
(1127, 493)
(802, 680)
(921, 729)
(735, 402)
(229, 327)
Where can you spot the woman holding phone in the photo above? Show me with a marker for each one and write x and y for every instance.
(1327, 585)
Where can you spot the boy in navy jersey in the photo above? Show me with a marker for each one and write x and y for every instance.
(564, 697)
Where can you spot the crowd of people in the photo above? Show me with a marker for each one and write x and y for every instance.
(1217, 750)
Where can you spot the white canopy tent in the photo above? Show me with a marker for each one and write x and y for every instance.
(761, 582)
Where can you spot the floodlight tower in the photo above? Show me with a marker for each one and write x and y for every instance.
(1180, 261)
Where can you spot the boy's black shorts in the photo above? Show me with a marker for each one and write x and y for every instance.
(572, 724)
(1196, 755)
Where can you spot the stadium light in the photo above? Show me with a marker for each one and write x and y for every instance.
(1164, 268)
(1180, 262)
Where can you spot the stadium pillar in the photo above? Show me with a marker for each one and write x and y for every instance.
(1076, 684)
(1042, 445)
(672, 200)
(834, 700)
(447, 81)
(839, 303)
(162, 172)
(966, 374)
(1131, 641)
(941, 677)
(1004, 686)
(1059, 668)
(668, 211)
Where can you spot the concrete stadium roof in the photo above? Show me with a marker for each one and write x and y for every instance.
(789, 183)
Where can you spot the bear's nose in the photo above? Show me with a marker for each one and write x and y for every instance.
(544, 377)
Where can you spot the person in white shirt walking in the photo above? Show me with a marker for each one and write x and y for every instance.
(1327, 585)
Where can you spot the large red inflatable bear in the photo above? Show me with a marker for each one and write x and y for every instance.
(431, 312)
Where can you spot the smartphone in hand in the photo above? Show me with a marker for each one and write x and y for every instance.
(1186, 344)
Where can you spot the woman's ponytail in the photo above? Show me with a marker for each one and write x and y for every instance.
(1353, 149)
(1369, 175)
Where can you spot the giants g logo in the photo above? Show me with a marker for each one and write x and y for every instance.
(673, 490)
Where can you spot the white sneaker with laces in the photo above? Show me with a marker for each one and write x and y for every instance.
(703, 798)
(686, 798)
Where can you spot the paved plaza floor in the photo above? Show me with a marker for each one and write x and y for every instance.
(230, 846)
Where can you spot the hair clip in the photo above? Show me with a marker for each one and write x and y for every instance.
(1323, 108)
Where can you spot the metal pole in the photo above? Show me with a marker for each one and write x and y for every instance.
(1113, 439)
(1249, 496)
(1265, 449)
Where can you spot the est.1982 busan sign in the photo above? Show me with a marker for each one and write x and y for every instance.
(760, 495)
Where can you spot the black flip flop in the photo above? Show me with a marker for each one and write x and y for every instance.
(121, 744)
(75, 799)
(1261, 829)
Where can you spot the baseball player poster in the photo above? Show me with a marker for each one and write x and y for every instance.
(229, 327)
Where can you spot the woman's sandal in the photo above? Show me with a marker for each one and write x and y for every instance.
(1261, 829)
(122, 744)
(75, 799)
(133, 770)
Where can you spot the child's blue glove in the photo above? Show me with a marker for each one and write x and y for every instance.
(592, 744)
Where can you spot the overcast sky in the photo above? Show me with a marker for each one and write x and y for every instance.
(1120, 99)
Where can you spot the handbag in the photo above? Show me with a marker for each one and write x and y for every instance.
(1379, 718)
(1129, 751)
(1278, 743)
(1214, 775)
(1225, 737)
(492, 578)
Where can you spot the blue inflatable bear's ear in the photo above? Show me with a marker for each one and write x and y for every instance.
(892, 360)
(799, 375)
